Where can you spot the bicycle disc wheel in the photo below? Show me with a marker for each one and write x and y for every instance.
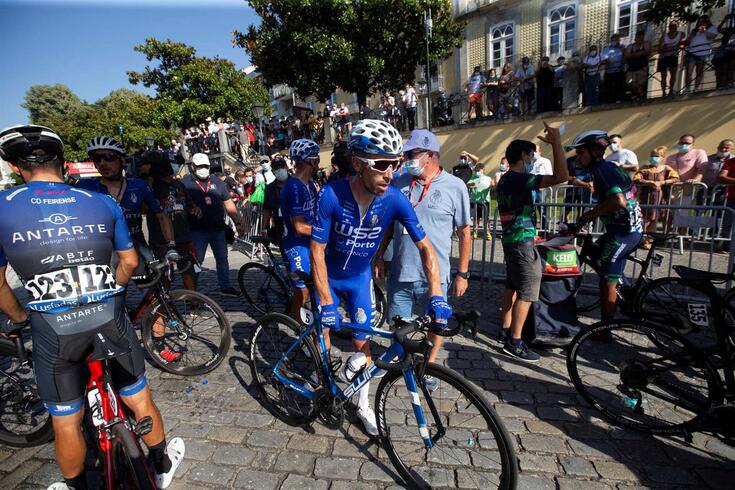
(476, 449)
(131, 471)
(273, 336)
(643, 376)
(197, 333)
(682, 306)
(263, 289)
(24, 421)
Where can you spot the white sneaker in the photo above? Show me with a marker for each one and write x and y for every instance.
(352, 366)
(59, 485)
(367, 416)
(175, 450)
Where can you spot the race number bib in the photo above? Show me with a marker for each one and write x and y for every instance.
(72, 286)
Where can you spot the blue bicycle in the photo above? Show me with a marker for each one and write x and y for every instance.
(443, 438)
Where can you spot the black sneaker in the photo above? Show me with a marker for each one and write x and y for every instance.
(521, 352)
(230, 292)
(504, 335)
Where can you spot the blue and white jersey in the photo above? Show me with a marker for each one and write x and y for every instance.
(297, 199)
(352, 240)
(60, 239)
(137, 192)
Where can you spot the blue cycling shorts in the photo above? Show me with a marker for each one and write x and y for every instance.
(298, 261)
(358, 295)
(615, 248)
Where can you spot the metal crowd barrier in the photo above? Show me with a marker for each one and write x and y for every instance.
(250, 218)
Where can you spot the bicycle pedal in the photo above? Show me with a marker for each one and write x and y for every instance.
(143, 426)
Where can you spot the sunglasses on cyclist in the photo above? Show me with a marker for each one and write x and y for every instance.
(108, 157)
(382, 166)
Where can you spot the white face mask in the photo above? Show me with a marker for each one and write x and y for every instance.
(265, 166)
(248, 180)
(202, 173)
(723, 154)
(614, 147)
(281, 174)
(414, 168)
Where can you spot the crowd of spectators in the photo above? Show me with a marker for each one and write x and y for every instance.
(606, 74)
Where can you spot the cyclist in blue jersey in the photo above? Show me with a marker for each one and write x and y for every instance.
(352, 216)
(618, 209)
(60, 239)
(297, 202)
(108, 157)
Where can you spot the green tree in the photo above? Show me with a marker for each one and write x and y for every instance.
(46, 102)
(358, 46)
(661, 11)
(190, 88)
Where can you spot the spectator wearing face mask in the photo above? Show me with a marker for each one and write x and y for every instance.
(653, 181)
(686, 161)
(409, 99)
(622, 157)
(711, 171)
(502, 168)
(572, 82)
(463, 169)
(473, 88)
(212, 196)
(247, 182)
(526, 75)
(545, 83)
(272, 224)
(698, 49)
(637, 70)
(613, 57)
(265, 175)
(668, 56)
(541, 166)
(559, 71)
(591, 65)
(581, 178)
(479, 186)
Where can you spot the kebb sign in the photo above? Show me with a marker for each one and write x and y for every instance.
(559, 260)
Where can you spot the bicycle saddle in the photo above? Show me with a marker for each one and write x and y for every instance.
(260, 239)
(104, 348)
(696, 275)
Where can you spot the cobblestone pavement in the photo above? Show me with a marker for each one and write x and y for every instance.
(232, 442)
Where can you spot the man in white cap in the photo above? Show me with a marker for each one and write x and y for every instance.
(442, 204)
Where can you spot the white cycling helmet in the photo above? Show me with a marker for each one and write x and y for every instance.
(105, 143)
(302, 149)
(594, 137)
(375, 137)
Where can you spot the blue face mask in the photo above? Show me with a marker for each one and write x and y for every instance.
(414, 168)
(613, 147)
(684, 147)
(654, 160)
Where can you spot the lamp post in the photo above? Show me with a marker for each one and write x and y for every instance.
(149, 142)
(422, 90)
(258, 111)
(428, 24)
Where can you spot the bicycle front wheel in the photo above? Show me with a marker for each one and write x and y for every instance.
(273, 336)
(470, 443)
(193, 330)
(263, 288)
(24, 421)
(642, 376)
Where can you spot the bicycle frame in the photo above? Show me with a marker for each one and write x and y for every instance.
(106, 412)
(395, 350)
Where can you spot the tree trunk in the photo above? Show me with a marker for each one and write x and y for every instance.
(361, 97)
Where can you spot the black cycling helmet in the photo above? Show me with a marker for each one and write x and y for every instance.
(30, 143)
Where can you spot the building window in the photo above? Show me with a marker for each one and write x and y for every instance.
(501, 45)
(631, 17)
(562, 30)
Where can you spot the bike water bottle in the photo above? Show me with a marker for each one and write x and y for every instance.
(354, 364)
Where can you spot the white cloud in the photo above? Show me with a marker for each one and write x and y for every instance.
(136, 3)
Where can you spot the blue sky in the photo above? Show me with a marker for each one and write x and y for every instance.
(88, 44)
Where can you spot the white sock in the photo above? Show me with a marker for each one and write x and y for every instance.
(363, 400)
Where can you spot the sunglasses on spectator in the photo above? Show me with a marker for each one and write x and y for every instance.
(381, 166)
(108, 157)
(411, 154)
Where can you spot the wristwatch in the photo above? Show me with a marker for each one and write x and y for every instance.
(463, 275)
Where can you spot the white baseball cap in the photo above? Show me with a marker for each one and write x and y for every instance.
(200, 160)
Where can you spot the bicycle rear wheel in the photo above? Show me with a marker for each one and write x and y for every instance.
(645, 377)
(476, 449)
(263, 288)
(24, 421)
(131, 470)
(273, 336)
(197, 332)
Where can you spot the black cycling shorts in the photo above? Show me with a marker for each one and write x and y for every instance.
(63, 341)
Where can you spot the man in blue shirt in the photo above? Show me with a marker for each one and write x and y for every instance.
(613, 57)
(297, 203)
(352, 216)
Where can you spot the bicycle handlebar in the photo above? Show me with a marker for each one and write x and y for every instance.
(156, 269)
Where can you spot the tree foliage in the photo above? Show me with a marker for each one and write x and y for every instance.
(190, 88)
(661, 11)
(46, 101)
(316, 46)
(79, 122)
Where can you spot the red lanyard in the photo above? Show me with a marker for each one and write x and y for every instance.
(423, 192)
(205, 191)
